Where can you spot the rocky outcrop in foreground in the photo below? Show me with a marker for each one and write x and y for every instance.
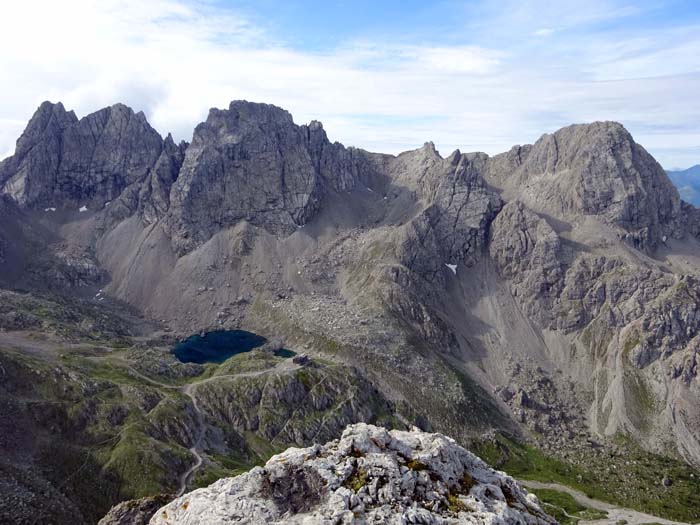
(133, 512)
(370, 475)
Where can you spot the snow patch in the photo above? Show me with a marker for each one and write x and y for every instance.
(82, 209)
(452, 267)
(49, 209)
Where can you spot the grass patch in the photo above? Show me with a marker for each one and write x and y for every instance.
(630, 343)
(358, 479)
(640, 398)
(101, 369)
(253, 361)
(261, 447)
(208, 475)
(306, 378)
(630, 479)
(143, 464)
(416, 465)
(234, 464)
(565, 508)
(524, 461)
(454, 504)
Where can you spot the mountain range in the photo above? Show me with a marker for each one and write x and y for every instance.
(688, 183)
(541, 301)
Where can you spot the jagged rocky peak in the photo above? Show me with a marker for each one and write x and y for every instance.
(593, 170)
(37, 149)
(243, 121)
(369, 475)
(48, 120)
(64, 162)
(249, 162)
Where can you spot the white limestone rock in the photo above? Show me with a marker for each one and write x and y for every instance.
(369, 475)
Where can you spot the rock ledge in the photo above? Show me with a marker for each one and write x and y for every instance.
(370, 475)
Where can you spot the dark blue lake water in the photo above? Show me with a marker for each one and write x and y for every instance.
(218, 346)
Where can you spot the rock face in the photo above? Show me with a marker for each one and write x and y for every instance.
(528, 252)
(458, 211)
(30, 174)
(251, 162)
(370, 475)
(64, 162)
(248, 162)
(595, 170)
(154, 194)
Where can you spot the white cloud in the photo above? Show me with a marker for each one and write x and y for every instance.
(545, 31)
(509, 19)
(174, 59)
(461, 59)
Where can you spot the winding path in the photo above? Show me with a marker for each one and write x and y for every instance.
(615, 513)
(185, 476)
(189, 391)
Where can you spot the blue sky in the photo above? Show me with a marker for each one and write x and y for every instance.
(383, 75)
(318, 25)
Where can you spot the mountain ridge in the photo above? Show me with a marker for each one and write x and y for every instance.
(549, 292)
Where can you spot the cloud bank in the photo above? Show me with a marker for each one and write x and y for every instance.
(503, 73)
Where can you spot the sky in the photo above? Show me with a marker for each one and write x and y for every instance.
(384, 75)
